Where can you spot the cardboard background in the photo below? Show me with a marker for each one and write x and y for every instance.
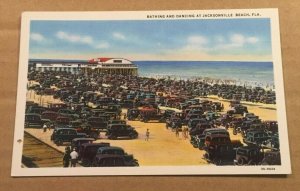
(10, 21)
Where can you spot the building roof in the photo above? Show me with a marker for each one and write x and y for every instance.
(105, 60)
(95, 60)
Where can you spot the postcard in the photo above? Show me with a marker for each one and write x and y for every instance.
(196, 92)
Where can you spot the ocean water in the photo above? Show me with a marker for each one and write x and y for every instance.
(251, 73)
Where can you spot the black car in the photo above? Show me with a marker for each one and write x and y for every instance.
(200, 127)
(109, 161)
(129, 159)
(61, 135)
(193, 122)
(133, 114)
(248, 155)
(77, 142)
(256, 137)
(116, 122)
(222, 154)
(198, 140)
(120, 130)
(68, 113)
(87, 152)
(34, 120)
(97, 122)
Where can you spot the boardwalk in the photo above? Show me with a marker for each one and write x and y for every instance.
(38, 154)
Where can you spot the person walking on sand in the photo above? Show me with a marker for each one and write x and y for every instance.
(186, 131)
(147, 135)
(177, 132)
(74, 157)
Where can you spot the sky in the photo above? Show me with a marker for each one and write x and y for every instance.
(168, 40)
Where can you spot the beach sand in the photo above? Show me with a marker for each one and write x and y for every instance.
(163, 147)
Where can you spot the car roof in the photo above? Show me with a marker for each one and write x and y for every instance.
(64, 128)
(218, 135)
(95, 144)
(111, 148)
(256, 131)
(215, 129)
(87, 139)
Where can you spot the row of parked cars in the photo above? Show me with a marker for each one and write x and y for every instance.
(67, 126)
(91, 154)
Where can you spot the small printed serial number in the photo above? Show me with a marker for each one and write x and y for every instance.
(268, 168)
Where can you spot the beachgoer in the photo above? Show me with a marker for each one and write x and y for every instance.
(74, 157)
(147, 135)
(45, 128)
(184, 132)
(67, 157)
(177, 131)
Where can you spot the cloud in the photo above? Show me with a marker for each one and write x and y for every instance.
(37, 37)
(237, 40)
(240, 40)
(119, 36)
(194, 42)
(197, 40)
(74, 38)
(252, 40)
(81, 39)
(101, 45)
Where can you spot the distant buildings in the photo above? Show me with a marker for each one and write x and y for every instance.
(97, 65)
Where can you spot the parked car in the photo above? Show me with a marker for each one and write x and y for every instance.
(51, 115)
(34, 120)
(36, 109)
(248, 155)
(109, 161)
(221, 154)
(87, 129)
(68, 113)
(200, 127)
(271, 158)
(129, 159)
(88, 151)
(61, 135)
(193, 122)
(271, 126)
(150, 113)
(120, 130)
(62, 122)
(97, 122)
(256, 137)
(116, 122)
(77, 142)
